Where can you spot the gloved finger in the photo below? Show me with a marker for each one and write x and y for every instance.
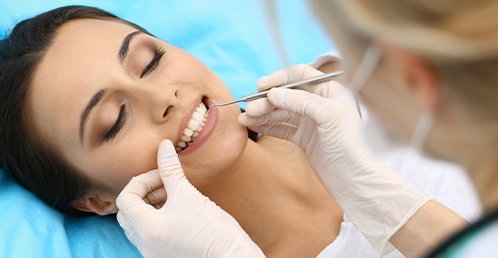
(301, 102)
(277, 116)
(157, 197)
(281, 77)
(139, 186)
(275, 79)
(130, 201)
(170, 169)
(287, 75)
(259, 107)
(284, 76)
(280, 130)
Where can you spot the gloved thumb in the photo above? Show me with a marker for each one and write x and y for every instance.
(169, 167)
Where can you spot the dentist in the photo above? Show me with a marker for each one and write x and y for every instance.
(429, 70)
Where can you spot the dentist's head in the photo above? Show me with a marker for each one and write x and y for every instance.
(437, 77)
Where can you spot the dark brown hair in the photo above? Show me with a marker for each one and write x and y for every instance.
(33, 163)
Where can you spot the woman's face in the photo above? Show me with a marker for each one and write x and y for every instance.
(386, 87)
(105, 97)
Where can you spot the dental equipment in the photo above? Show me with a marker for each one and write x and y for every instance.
(262, 94)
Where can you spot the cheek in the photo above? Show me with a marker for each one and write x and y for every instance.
(392, 105)
(134, 156)
(135, 161)
(138, 154)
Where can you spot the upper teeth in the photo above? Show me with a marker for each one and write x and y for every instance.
(194, 126)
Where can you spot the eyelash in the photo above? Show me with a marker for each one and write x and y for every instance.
(158, 54)
(118, 125)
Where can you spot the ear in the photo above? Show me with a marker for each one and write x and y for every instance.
(419, 76)
(101, 204)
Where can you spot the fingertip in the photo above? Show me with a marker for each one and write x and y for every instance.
(252, 107)
(136, 189)
(169, 166)
(243, 119)
(119, 200)
(164, 143)
(261, 82)
(121, 218)
(165, 149)
(276, 95)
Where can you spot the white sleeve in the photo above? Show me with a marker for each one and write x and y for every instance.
(446, 181)
(351, 243)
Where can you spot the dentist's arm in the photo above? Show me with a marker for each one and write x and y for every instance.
(327, 127)
(187, 225)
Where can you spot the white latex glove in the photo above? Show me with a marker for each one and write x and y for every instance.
(327, 127)
(188, 225)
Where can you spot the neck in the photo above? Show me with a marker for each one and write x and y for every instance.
(473, 144)
(482, 164)
(272, 191)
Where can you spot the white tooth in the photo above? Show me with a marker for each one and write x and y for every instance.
(195, 134)
(182, 144)
(193, 124)
(178, 149)
(202, 124)
(202, 105)
(200, 110)
(188, 132)
(197, 116)
(185, 138)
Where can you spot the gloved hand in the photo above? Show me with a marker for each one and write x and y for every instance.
(188, 225)
(327, 126)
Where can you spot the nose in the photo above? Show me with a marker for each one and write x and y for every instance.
(155, 100)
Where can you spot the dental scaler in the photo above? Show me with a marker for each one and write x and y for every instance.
(262, 94)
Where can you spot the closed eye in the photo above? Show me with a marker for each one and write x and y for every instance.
(158, 54)
(111, 134)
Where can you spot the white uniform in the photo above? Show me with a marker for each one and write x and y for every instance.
(447, 182)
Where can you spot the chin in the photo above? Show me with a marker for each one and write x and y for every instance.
(219, 153)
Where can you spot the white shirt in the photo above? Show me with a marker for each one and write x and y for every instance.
(447, 182)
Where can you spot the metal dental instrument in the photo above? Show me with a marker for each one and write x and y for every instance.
(262, 94)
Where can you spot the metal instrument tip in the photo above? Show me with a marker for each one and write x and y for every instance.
(209, 109)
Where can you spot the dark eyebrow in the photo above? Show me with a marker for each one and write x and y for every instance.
(84, 115)
(123, 51)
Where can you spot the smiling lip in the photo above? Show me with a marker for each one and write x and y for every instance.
(206, 130)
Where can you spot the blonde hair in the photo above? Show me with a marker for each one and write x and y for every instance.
(458, 37)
